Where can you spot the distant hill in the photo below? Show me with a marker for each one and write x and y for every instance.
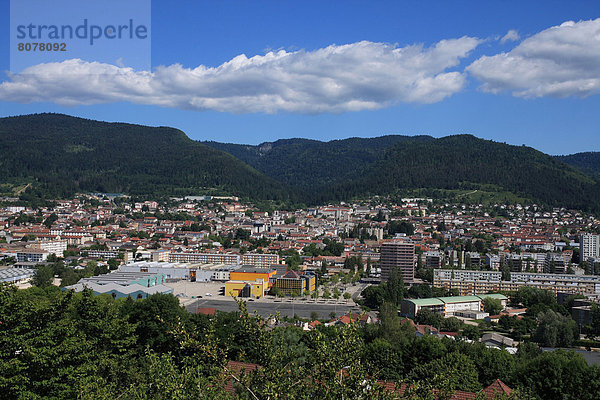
(343, 169)
(62, 155)
(312, 163)
(464, 161)
(588, 162)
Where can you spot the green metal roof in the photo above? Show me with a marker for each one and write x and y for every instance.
(426, 302)
(438, 301)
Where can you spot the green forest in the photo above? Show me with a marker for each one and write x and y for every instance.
(61, 155)
(588, 162)
(343, 169)
(62, 345)
(49, 156)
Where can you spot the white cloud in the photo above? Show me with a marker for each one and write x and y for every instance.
(560, 61)
(337, 78)
(511, 36)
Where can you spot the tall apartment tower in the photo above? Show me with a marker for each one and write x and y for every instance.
(589, 246)
(399, 255)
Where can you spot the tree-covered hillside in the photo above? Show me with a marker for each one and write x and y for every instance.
(588, 162)
(311, 163)
(343, 169)
(62, 155)
(464, 161)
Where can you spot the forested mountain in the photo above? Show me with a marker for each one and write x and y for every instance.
(464, 161)
(312, 163)
(342, 169)
(62, 155)
(588, 162)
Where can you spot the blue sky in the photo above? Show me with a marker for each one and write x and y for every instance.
(441, 68)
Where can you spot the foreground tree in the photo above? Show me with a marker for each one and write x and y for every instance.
(555, 330)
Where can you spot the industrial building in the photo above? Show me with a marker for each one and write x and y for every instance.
(118, 284)
(196, 272)
(254, 290)
(16, 275)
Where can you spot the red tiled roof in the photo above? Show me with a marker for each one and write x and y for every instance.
(497, 387)
(237, 368)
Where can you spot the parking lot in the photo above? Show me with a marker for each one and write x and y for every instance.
(194, 295)
(267, 308)
(187, 289)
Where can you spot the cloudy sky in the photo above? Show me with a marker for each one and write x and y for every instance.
(520, 72)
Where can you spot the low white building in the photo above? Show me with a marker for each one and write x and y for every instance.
(448, 306)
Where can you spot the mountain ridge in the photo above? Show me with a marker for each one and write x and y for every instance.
(60, 155)
(588, 162)
(64, 154)
(386, 164)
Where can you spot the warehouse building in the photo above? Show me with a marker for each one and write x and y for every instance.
(16, 275)
(118, 284)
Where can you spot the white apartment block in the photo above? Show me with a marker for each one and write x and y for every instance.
(57, 247)
(492, 261)
(106, 254)
(31, 255)
(589, 246)
(480, 282)
(253, 259)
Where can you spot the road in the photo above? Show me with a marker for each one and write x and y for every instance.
(303, 310)
(360, 289)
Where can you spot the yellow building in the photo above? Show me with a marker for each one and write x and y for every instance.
(294, 283)
(255, 289)
(252, 274)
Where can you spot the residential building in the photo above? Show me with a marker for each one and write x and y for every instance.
(161, 255)
(492, 261)
(398, 255)
(57, 247)
(514, 262)
(31, 255)
(555, 263)
(105, 254)
(433, 259)
(205, 258)
(260, 260)
(589, 246)
(469, 282)
(253, 259)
